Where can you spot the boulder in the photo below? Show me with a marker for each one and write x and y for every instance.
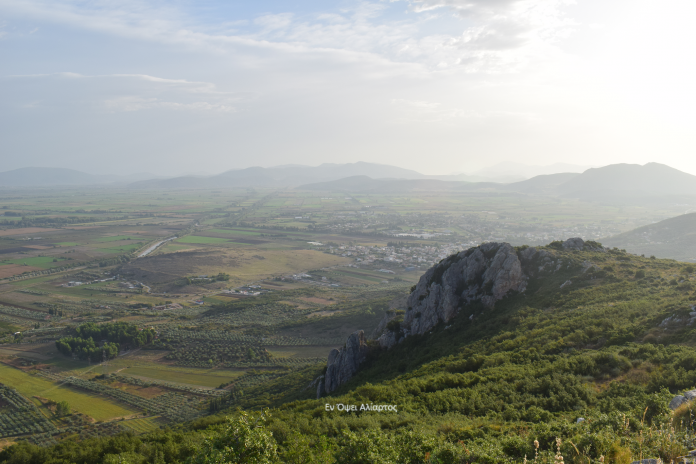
(677, 401)
(575, 243)
(343, 364)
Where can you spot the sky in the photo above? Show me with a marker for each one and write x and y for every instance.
(438, 86)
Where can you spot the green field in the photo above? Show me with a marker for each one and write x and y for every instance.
(115, 238)
(145, 425)
(235, 232)
(37, 261)
(171, 247)
(31, 385)
(206, 378)
(122, 249)
(201, 240)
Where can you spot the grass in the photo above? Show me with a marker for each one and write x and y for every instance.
(205, 378)
(122, 249)
(37, 261)
(172, 247)
(114, 238)
(145, 425)
(31, 385)
(235, 232)
(275, 262)
(196, 239)
(300, 351)
(67, 244)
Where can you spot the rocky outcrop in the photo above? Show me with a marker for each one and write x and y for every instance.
(678, 400)
(344, 363)
(485, 274)
(574, 244)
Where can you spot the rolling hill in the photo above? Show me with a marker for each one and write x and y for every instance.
(547, 183)
(283, 176)
(629, 180)
(672, 238)
(623, 183)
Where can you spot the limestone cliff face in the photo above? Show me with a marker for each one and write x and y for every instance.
(486, 273)
(344, 363)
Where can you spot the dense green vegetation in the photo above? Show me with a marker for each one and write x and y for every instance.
(116, 335)
(612, 347)
(86, 349)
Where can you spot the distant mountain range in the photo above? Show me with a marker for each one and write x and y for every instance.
(50, 177)
(282, 176)
(521, 171)
(365, 184)
(296, 175)
(618, 182)
(622, 182)
(630, 179)
(672, 238)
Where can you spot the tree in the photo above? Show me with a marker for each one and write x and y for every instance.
(62, 408)
(243, 439)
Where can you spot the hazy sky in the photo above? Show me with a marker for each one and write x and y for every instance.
(438, 86)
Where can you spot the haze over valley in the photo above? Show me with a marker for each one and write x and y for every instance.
(355, 232)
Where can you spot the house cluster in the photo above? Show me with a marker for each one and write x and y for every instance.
(408, 256)
(248, 290)
(76, 283)
(130, 285)
(483, 226)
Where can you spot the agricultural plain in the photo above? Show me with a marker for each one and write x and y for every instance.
(241, 287)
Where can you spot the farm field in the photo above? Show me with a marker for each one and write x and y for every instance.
(201, 240)
(93, 406)
(142, 425)
(207, 378)
(258, 286)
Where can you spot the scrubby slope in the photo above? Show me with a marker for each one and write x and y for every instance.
(598, 334)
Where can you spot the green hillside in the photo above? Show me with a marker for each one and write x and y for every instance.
(612, 346)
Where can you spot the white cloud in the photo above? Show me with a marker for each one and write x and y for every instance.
(491, 29)
(130, 92)
(365, 81)
(135, 103)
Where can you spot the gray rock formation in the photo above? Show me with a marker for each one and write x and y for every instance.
(344, 363)
(574, 244)
(577, 243)
(677, 401)
(486, 273)
(320, 387)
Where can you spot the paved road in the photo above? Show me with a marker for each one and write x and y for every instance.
(154, 247)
